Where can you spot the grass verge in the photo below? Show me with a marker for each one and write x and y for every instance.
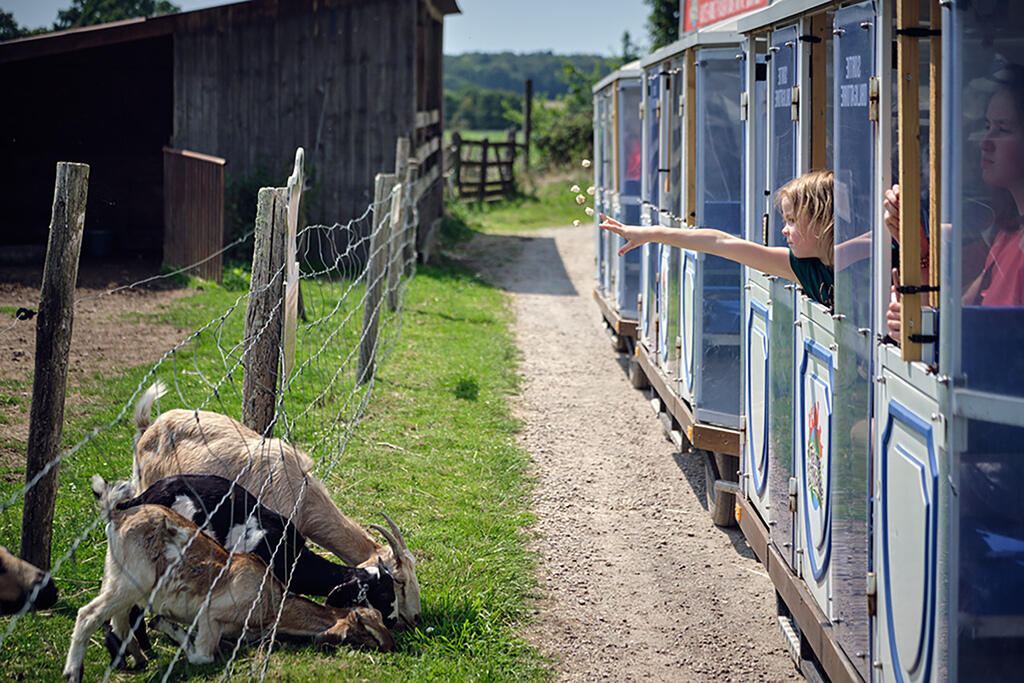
(435, 449)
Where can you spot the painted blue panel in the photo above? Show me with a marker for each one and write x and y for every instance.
(815, 462)
(919, 660)
(757, 351)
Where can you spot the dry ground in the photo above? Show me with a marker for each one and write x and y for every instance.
(639, 584)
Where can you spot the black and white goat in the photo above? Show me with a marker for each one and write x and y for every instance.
(23, 586)
(157, 557)
(234, 517)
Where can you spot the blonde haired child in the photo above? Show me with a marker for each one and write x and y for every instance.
(806, 207)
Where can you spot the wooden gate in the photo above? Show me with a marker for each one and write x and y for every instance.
(483, 169)
(194, 212)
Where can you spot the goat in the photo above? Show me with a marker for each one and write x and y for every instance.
(234, 518)
(157, 557)
(23, 586)
(202, 442)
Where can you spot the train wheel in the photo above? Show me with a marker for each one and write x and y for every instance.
(721, 505)
(637, 378)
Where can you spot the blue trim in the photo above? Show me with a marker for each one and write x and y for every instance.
(760, 474)
(685, 333)
(664, 261)
(900, 412)
(813, 348)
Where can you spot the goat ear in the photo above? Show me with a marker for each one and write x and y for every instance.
(99, 486)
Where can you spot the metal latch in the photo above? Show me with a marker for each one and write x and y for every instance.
(794, 103)
(743, 106)
(682, 105)
(641, 108)
(873, 98)
(792, 494)
(657, 109)
(872, 593)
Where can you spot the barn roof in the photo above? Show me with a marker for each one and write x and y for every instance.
(70, 40)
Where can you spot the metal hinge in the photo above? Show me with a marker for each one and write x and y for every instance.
(657, 110)
(873, 98)
(872, 593)
(682, 106)
(792, 494)
(743, 106)
(794, 103)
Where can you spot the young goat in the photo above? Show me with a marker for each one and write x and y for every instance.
(157, 557)
(236, 520)
(23, 586)
(201, 442)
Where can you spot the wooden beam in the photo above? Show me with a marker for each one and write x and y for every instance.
(819, 90)
(934, 157)
(907, 50)
(690, 122)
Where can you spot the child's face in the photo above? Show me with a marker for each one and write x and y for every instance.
(798, 234)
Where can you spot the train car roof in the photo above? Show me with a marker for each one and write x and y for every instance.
(705, 37)
(780, 10)
(627, 70)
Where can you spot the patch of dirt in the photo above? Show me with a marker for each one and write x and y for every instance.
(101, 341)
(639, 584)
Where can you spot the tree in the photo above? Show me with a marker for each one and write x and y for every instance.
(89, 12)
(663, 22)
(9, 29)
(629, 49)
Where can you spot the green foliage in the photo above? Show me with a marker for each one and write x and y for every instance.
(9, 28)
(663, 22)
(630, 50)
(471, 107)
(508, 71)
(563, 132)
(89, 12)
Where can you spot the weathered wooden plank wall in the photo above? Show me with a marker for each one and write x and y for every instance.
(337, 77)
(194, 212)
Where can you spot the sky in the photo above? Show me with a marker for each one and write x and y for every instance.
(559, 26)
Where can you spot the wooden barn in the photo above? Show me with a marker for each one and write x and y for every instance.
(239, 85)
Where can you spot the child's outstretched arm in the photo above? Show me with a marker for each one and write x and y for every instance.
(769, 260)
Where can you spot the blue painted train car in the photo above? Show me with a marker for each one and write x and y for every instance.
(617, 183)
(879, 436)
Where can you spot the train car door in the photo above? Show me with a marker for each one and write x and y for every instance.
(649, 207)
(602, 271)
(719, 149)
(782, 167)
(758, 304)
(668, 203)
(688, 294)
(628, 142)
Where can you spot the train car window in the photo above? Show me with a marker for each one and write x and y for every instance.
(651, 138)
(989, 160)
(676, 140)
(631, 136)
(782, 74)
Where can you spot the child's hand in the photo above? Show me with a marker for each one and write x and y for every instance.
(629, 232)
(891, 203)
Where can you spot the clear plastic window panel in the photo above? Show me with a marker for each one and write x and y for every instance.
(983, 201)
(674, 205)
(757, 124)
(719, 191)
(630, 140)
(854, 60)
(784, 76)
(651, 140)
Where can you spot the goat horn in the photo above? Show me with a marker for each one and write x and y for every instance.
(394, 528)
(391, 539)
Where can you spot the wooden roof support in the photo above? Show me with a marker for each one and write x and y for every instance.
(934, 157)
(907, 16)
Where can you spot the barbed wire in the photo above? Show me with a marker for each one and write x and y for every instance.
(318, 337)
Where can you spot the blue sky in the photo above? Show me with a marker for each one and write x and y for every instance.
(561, 26)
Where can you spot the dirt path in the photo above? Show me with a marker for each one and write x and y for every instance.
(639, 584)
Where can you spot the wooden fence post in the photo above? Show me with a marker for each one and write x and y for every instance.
(53, 341)
(481, 192)
(382, 186)
(527, 110)
(457, 145)
(412, 197)
(509, 175)
(396, 243)
(262, 340)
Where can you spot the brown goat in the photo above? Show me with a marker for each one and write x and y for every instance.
(157, 557)
(23, 584)
(202, 442)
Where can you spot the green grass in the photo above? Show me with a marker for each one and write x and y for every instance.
(435, 449)
(546, 202)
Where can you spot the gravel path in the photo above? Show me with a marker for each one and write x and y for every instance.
(638, 584)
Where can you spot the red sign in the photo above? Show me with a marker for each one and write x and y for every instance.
(701, 13)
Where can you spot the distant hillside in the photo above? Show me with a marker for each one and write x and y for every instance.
(508, 71)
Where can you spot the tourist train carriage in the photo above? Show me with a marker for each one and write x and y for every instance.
(880, 484)
(617, 176)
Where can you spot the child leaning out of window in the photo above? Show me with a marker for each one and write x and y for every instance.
(806, 207)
